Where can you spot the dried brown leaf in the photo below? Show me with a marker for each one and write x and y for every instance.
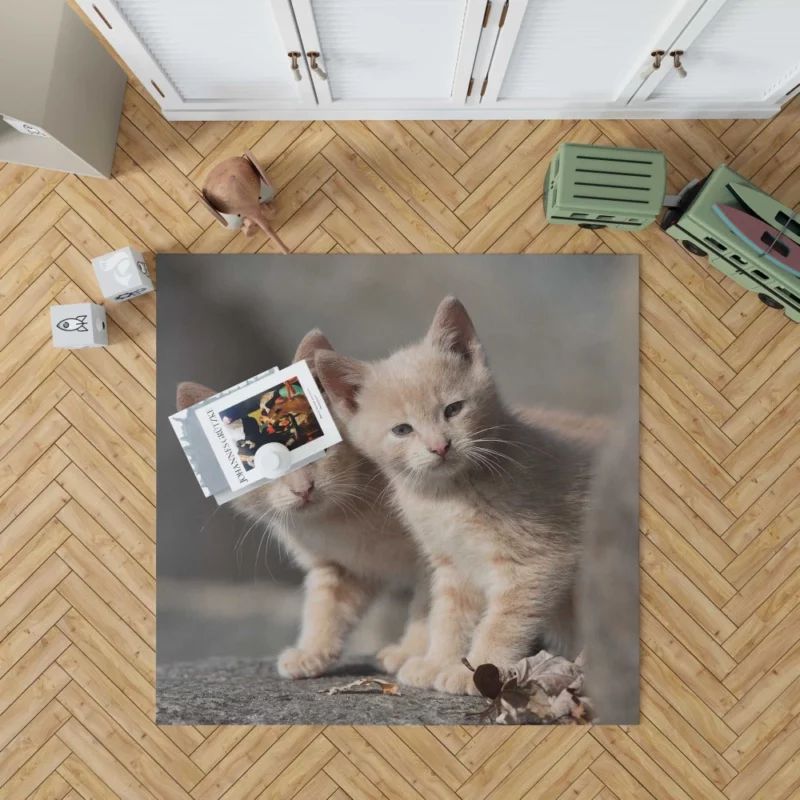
(542, 689)
(488, 681)
(552, 673)
(385, 687)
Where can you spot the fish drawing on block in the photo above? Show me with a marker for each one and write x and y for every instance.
(77, 324)
(763, 238)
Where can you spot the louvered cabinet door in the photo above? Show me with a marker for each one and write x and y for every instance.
(735, 51)
(390, 54)
(207, 54)
(558, 54)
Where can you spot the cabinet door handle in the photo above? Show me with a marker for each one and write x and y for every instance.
(295, 67)
(676, 60)
(313, 56)
(657, 55)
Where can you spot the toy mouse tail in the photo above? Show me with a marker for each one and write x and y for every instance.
(270, 231)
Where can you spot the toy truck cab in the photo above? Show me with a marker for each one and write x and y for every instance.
(702, 232)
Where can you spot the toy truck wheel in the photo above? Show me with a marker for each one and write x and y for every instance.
(693, 248)
(769, 301)
(592, 226)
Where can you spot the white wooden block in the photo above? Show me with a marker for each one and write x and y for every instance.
(79, 325)
(122, 274)
(25, 127)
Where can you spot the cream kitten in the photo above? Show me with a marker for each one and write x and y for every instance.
(494, 501)
(331, 518)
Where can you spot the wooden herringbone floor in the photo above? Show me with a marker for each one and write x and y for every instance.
(720, 463)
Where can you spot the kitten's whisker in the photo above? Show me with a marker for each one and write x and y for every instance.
(497, 454)
(266, 552)
(482, 461)
(509, 458)
(512, 443)
(486, 454)
(492, 428)
(258, 552)
(410, 470)
(354, 486)
(352, 502)
(210, 517)
(374, 478)
(244, 536)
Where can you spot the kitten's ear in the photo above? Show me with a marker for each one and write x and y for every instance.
(341, 377)
(452, 329)
(190, 393)
(312, 342)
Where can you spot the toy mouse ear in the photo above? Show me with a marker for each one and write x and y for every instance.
(248, 154)
(214, 213)
(190, 393)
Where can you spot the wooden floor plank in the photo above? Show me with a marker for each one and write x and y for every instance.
(237, 762)
(95, 479)
(437, 143)
(120, 599)
(34, 715)
(123, 711)
(384, 198)
(37, 769)
(682, 555)
(779, 568)
(671, 730)
(30, 267)
(120, 744)
(686, 702)
(419, 161)
(108, 770)
(536, 147)
(139, 111)
(380, 158)
(12, 176)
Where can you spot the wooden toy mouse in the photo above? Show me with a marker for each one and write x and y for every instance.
(238, 194)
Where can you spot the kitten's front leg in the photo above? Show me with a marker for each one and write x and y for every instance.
(455, 610)
(334, 602)
(520, 605)
(415, 636)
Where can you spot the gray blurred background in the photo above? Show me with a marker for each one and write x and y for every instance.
(560, 331)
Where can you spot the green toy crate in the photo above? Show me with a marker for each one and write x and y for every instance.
(605, 187)
(698, 228)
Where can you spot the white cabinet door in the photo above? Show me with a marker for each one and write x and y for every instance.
(740, 51)
(390, 54)
(557, 54)
(206, 53)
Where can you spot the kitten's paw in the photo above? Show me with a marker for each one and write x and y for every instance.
(419, 671)
(455, 679)
(297, 663)
(392, 657)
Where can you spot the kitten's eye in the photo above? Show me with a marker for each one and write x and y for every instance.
(402, 430)
(453, 409)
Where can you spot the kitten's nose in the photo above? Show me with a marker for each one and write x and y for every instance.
(441, 448)
(304, 492)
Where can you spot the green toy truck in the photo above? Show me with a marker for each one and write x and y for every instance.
(612, 187)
